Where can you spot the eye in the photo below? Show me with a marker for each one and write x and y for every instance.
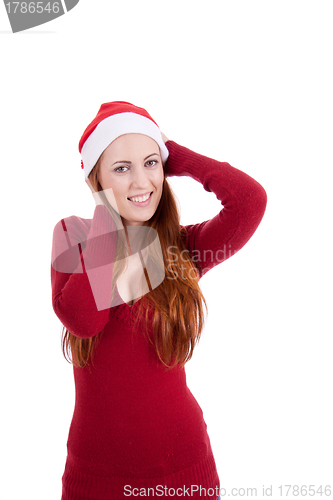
(151, 161)
(117, 169)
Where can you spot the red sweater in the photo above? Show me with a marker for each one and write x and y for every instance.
(136, 425)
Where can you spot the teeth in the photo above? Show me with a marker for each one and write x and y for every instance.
(141, 198)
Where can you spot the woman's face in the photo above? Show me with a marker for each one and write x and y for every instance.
(132, 166)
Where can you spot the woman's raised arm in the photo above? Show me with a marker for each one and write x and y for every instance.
(243, 205)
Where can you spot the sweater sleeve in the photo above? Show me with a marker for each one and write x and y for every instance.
(81, 272)
(243, 203)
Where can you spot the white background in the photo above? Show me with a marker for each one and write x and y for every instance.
(247, 82)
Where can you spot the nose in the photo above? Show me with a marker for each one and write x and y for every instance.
(140, 177)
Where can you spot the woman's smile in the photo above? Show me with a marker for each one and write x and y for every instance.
(141, 201)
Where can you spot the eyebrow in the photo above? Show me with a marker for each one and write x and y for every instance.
(124, 161)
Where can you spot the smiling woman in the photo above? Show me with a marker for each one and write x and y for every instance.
(136, 425)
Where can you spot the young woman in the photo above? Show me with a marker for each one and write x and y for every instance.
(125, 287)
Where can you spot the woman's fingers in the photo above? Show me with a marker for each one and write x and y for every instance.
(164, 137)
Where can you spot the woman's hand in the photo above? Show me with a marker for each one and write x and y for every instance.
(164, 137)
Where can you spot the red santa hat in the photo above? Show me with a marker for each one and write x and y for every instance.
(113, 120)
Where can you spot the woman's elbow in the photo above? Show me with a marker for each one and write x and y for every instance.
(78, 326)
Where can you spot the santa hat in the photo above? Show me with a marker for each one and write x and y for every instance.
(113, 120)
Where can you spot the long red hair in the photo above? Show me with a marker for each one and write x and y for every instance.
(177, 302)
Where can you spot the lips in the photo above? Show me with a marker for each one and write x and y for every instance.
(141, 204)
(139, 196)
